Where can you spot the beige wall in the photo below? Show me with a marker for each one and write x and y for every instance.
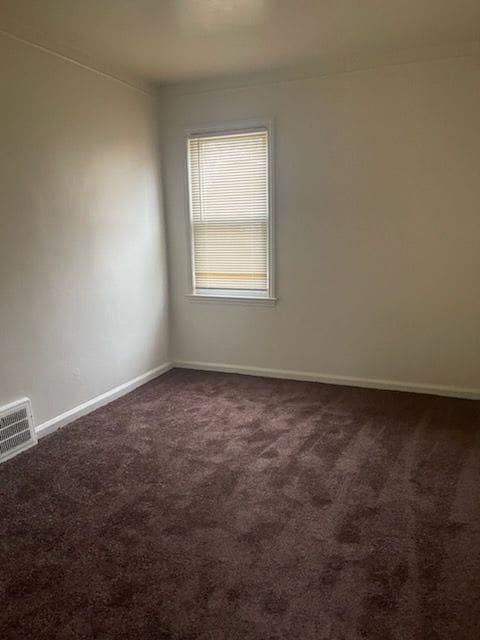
(377, 226)
(83, 303)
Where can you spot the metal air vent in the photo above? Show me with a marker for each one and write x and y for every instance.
(16, 429)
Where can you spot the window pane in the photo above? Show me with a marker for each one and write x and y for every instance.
(229, 210)
(230, 256)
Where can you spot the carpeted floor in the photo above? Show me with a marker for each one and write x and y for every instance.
(207, 506)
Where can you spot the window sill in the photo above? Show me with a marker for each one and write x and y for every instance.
(265, 301)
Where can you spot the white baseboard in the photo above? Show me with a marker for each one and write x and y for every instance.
(369, 383)
(86, 407)
(81, 410)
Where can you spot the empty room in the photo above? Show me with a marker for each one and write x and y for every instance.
(239, 320)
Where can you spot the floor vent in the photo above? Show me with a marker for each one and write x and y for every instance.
(16, 429)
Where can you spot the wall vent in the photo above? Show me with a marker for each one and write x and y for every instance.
(16, 429)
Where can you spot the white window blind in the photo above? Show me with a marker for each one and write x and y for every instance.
(229, 212)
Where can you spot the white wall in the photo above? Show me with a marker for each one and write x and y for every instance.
(83, 298)
(378, 226)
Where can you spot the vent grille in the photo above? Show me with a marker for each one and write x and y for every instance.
(16, 429)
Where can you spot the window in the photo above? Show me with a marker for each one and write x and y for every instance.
(230, 214)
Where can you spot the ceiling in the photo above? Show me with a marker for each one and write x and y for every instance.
(173, 41)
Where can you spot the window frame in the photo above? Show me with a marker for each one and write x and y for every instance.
(230, 296)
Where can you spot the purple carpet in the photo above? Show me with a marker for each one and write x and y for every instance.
(207, 506)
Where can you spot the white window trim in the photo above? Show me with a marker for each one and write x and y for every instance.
(245, 296)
